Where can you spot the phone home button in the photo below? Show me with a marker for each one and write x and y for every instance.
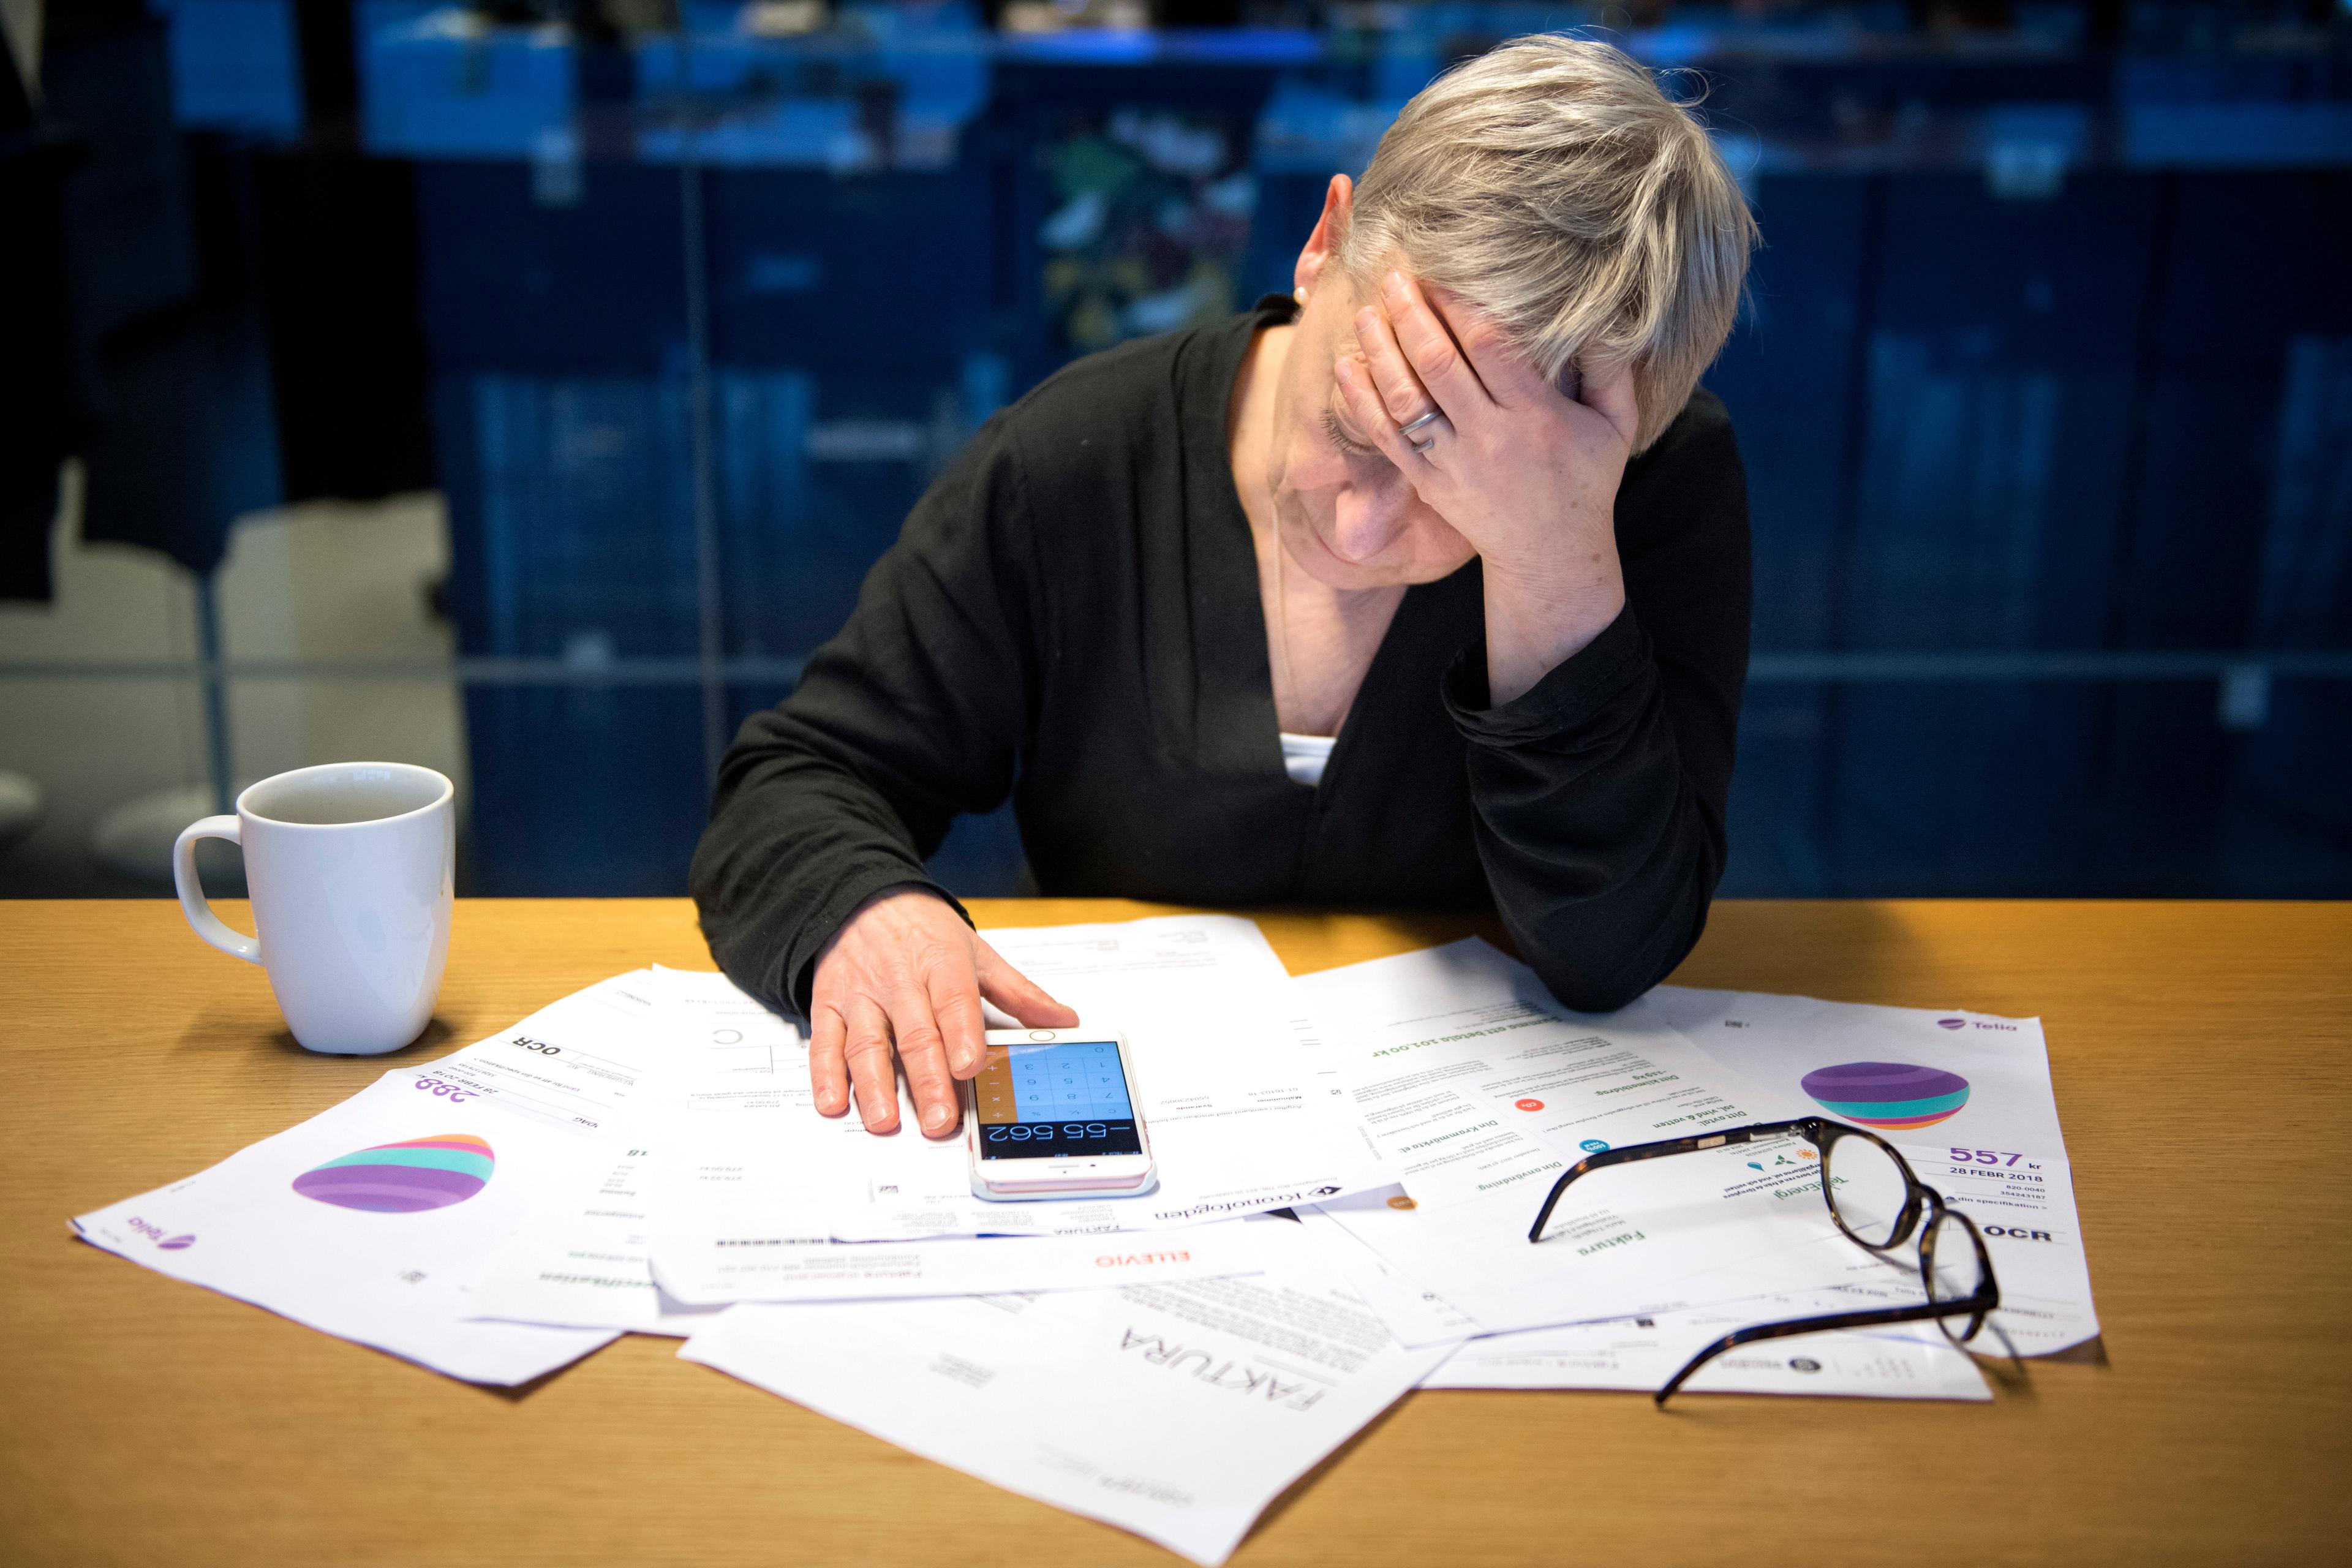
(1041, 1034)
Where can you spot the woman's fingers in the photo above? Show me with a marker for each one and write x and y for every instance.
(1508, 379)
(828, 1072)
(955, 1003)
(1427, 341)
(923, 1057)
(1615, 400)
(1401, 394)
(1371, 416)
(868, 1055)
(1016, 992)
(898, 991)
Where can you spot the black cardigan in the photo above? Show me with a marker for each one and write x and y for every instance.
(1071, 615)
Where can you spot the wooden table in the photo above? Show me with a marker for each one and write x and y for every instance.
(2200, 1059)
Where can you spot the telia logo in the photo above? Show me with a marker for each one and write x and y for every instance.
(154, 1233)
(1951, 1022)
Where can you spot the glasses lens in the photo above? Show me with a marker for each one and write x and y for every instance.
(1955, 1269)
(1867, 1189)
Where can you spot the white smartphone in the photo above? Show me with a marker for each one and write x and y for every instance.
(1053, 1116)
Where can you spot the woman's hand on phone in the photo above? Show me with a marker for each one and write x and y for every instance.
(905, 972)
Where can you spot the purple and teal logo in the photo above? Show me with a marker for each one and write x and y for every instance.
(404, 1178)
(1892, 1096)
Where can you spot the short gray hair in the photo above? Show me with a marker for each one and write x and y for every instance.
(1552, 185)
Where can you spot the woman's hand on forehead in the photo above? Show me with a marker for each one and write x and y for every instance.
(1524, 471)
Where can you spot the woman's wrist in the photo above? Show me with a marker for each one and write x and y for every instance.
(1535, 624)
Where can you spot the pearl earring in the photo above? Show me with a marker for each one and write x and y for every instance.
(1299, 295)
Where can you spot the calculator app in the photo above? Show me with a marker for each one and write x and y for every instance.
(1058, 1101)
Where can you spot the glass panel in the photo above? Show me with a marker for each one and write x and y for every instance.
(529, 389)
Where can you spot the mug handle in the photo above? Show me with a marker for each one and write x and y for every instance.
(208, 925)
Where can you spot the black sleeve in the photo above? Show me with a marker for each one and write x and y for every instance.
(1600, 793)
(917, 712)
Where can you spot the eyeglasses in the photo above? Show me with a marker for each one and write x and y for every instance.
(1875, 1201)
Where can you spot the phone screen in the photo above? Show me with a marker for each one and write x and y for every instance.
(1055, 1101)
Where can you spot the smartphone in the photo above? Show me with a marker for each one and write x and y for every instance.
(1053, 1116)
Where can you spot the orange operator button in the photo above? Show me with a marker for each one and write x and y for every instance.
(992, 1088)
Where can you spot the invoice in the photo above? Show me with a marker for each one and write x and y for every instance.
(585, 1259)
(1905, 1362)
(586, 1256)
(1479, 1089)
(1238, 1100)
(1639, 1354)
(724, 1066)
(1988, 1139)
(1176, 1411)
(371, 1220)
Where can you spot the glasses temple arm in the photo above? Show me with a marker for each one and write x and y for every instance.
(1633, 1153)
(1982, 1300)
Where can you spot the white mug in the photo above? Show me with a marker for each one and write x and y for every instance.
(350, 865)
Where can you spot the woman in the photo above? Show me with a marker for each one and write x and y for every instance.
(1427, 587)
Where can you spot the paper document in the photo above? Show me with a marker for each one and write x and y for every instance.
(738, 1112)
(1470, 1080)
(1966, 1095)
(577, 1063)
(1479, 1090)
(1238, 1097)
(585, 1257)
(1415, 1314)
(1639, 1355)
(372, 1220)
(736, 1094)
(1176, 1410)
(732, 1056)
(744, 1270)
(1897, 1361)
(1900, 1362)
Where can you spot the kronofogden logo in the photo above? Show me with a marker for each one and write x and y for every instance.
(1278, 1200)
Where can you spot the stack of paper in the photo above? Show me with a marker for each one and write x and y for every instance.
(1349, 1164)
(1988, 1140)
(1178, 1411)
(374, 1220)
